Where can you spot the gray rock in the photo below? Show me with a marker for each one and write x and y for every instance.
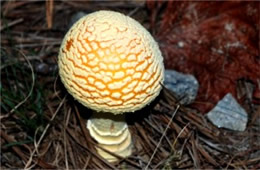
(185, 86)
(75, 18)
(228, 114)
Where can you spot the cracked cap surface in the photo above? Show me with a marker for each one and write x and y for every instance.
(110, 63)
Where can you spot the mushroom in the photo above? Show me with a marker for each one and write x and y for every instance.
(111, 64)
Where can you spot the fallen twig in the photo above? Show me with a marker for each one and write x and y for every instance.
(11, 24)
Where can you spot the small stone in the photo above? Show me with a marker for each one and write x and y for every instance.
(180, 44)
(45, 68)
(185, 86)
(42, 68)
(76, 17)
(228, 114)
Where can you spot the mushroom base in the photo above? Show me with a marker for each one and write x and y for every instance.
(112, 134)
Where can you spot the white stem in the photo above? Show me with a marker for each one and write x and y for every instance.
(112, 133)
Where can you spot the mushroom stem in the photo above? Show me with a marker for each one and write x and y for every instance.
(112, 133)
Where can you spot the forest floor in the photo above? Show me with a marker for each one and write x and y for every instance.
(42, 126)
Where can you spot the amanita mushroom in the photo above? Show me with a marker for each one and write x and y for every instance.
(112, 65)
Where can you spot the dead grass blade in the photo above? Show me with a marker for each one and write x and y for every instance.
(206, 155)
(21, 154)
(42, 136)
(18, 21)
(70, 132)
(15, 148)
(195, 151)
(49, 13)
(163, 135)
(30, 92)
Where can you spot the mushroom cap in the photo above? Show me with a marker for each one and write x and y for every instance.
(111, 63)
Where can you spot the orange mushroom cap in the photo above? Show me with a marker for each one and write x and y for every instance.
(110, 63)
